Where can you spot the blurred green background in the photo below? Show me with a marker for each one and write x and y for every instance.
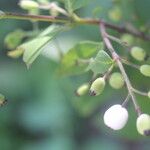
(43, 112)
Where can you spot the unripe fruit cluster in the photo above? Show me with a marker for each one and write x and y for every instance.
(116, 116)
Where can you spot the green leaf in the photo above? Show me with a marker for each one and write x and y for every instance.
(82, 50)
(72, 5)
(33, 48)
(68, 5)
(13, 39)
(100, 63)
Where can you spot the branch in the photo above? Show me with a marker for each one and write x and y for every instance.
(9, 15)
(120, 29)
(117, 59)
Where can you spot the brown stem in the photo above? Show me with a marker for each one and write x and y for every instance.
(117, 59)
(120, 29)
(9, 15)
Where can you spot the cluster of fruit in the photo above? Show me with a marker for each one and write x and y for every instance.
(116, 116)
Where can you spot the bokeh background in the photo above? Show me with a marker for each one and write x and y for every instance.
(43, 112)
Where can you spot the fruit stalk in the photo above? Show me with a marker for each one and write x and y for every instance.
(119, 63)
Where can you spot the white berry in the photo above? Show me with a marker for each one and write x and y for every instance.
(116, 117)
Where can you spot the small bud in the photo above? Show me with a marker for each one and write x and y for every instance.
(116, 117)
(97, 87)
(28, 4)
(138, 53)
(143, 124)
(145, 70)
(54, 10)
(115, 14)
(15, 53)
(127, 38)
(83, 89)
(2, 100)
(116, 80)
(149, 94)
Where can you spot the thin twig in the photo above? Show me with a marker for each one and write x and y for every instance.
(108, 72)
(130, 64)
(126, 100)
(124, 44)
(139, 92)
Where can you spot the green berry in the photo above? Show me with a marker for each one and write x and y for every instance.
(115, 14)
(28, 4)
(13, 39)
(97, 87)
(145, 70)
(82, 90)
(138, 53)
(127, 38)
(143, 124)
(116, 80)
